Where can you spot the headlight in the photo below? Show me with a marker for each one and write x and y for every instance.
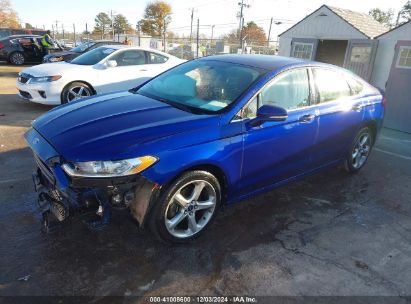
(113, 168)
(44, 79)
(55, 59)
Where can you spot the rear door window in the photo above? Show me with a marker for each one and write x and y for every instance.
(130, 57)
(156, 58)
(331, 85)
(355, 85)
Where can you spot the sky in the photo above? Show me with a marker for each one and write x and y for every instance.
(221, 13)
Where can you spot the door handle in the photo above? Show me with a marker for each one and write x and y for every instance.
(357, 107)
(307, 118)
(143, 70)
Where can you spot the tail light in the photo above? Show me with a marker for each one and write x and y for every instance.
(384, 101)
(1, 45)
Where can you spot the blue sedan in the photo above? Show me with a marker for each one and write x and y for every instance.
(208, 132)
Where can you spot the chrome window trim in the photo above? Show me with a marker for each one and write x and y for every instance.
(313, 90)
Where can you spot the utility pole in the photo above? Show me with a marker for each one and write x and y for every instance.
(164, 35)
(191, 27)
(212, 34)
(198, 34)
(242, 5)
(269, 32)
(74, 31)
(57, 29)
(139, 33)
(112, 27)
(87, 33)
(54, 33)
(62, 29)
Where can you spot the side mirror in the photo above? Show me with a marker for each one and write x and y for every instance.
(269, 113)
(272, 113)
(111, 63)
(100, 66)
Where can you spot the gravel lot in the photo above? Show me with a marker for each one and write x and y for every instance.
(331, 234)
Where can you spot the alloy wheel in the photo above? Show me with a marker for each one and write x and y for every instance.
(17, 58)
(190, 209)
(361, 151)
(78, 92)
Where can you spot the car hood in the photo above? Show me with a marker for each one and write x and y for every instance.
(115, 126)
(51, 69)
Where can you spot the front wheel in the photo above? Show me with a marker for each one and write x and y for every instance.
(17, 58)
(360, 150)
(75, 91)
(186, 208)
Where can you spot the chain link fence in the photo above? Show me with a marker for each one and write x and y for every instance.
(184, 48)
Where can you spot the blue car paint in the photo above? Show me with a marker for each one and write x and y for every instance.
(252, 159)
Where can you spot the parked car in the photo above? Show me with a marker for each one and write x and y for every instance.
(207, 133)
(77, 51)
(20, 49)
(102, 70)
(67, 43)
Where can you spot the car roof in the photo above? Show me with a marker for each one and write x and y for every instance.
(105, 41)
(19, 36)
(122, 46)
(267, 62)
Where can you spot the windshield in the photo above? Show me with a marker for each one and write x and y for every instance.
(205, 85)
(93, 57)
(82, 47)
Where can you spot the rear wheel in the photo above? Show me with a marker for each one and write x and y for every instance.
(17, 58)
(75, 91)
(186, 208)
(360, 150)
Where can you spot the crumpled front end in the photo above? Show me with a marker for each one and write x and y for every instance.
(61, 196)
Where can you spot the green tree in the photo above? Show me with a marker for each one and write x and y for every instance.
(405, 12)
(8, 16)
(156, 18)
(28, 26)
(384, 17)
(121, 24)
(102, 24)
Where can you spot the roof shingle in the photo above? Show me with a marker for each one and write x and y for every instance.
(362, 22)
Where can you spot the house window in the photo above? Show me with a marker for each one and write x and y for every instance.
(404, 58)
(361, 54)
(302, 50)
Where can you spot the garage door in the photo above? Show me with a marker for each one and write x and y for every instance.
(359, 57)
(398, 90)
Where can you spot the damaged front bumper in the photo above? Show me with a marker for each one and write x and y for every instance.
(64, 196)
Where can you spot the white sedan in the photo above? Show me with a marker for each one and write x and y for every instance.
(103, 70)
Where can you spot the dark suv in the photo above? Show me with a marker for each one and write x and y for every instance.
(19, 49)
(77, 51)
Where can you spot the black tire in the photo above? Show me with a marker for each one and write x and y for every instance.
(69, 91)
(17, 58)
(167, 206)
(361, 151)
